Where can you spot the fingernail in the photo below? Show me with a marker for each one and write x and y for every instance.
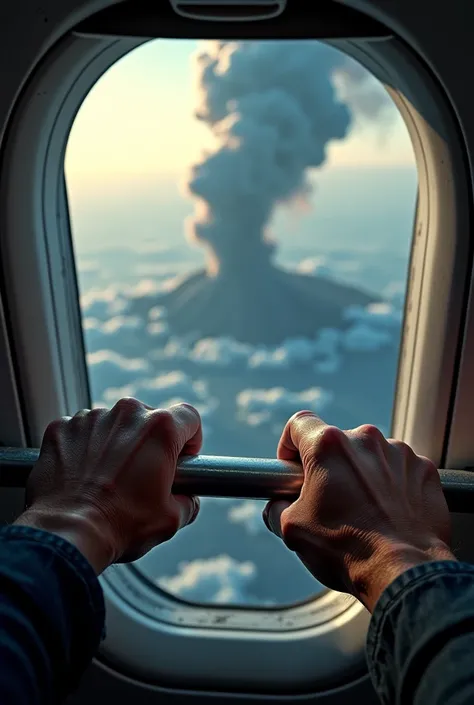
(195, 510)
(190, 407)
(305, 412)
(265, 518)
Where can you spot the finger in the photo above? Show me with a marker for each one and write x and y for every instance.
(298, 428)
(126, 418)
(188, 428)
(129, 406)
(187, 508)
(272, 515)
(81, 414)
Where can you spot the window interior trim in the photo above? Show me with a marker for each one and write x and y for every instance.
(46, 327)
(439, 264)
(47, 336)
(12, 430)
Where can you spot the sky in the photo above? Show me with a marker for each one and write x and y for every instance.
(137, 125)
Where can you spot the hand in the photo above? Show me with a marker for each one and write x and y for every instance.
(368, 510)
(103, 479)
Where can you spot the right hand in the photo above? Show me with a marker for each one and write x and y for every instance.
(369, 508)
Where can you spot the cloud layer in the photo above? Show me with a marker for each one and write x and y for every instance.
(221, 580)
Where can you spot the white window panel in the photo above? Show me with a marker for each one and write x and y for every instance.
(42, 296)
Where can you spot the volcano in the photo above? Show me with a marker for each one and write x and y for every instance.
(266, 308)
(273, 109)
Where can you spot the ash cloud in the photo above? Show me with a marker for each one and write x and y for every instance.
(274, 108)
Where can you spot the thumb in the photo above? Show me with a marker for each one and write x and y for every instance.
(272, 515)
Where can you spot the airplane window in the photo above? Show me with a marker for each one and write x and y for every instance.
(242, 216)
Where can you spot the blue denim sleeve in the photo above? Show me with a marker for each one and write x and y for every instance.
(420, 645)
(51, 616)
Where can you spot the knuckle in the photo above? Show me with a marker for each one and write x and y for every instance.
(81, 413)
(55, 428)
(79, 418)
(400, 446)
(189, 407)
(329, 438)
(403, 449)
(164, 429)
(370, 435)
(164, 419)
(97, 413)
(128, 405)
(428, 465)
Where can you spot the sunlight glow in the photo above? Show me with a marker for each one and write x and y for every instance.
(137, 125)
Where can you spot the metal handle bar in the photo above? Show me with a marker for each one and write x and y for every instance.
(255, 478)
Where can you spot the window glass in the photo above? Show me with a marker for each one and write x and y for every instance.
(242, 217)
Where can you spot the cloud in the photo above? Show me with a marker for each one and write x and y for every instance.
(157, 313)
(109, 301)
(222, 352)
(370, 328)
(161, 270)
(327, 341)
(221, 580)
(171, 385)
(158, 329)
(109, 369)
(268, 359)
(274, 109)
(329, 366)
(373, 327)
(249, 514)
(317, 266)
(103, 303)
(363, 338)
(158, 323)
(88, 266)
(116, 370)
(122, 333)
(145, 287)
(395, 292)
(175, 349)
(257, 407)
(166, 390)
(294, 351)
(363, 92)
(381, 315)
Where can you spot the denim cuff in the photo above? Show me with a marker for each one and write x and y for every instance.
(402, 600)
(75, 559)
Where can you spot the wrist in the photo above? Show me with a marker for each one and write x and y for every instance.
(83, 532)
(369, 578)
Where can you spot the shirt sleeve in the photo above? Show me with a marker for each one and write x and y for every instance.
(51, 616)
(420, 646)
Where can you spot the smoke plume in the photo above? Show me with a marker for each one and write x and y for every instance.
(273, 107)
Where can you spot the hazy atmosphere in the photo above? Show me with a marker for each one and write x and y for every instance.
(242, 216)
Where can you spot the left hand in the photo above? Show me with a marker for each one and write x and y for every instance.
(104, 478)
